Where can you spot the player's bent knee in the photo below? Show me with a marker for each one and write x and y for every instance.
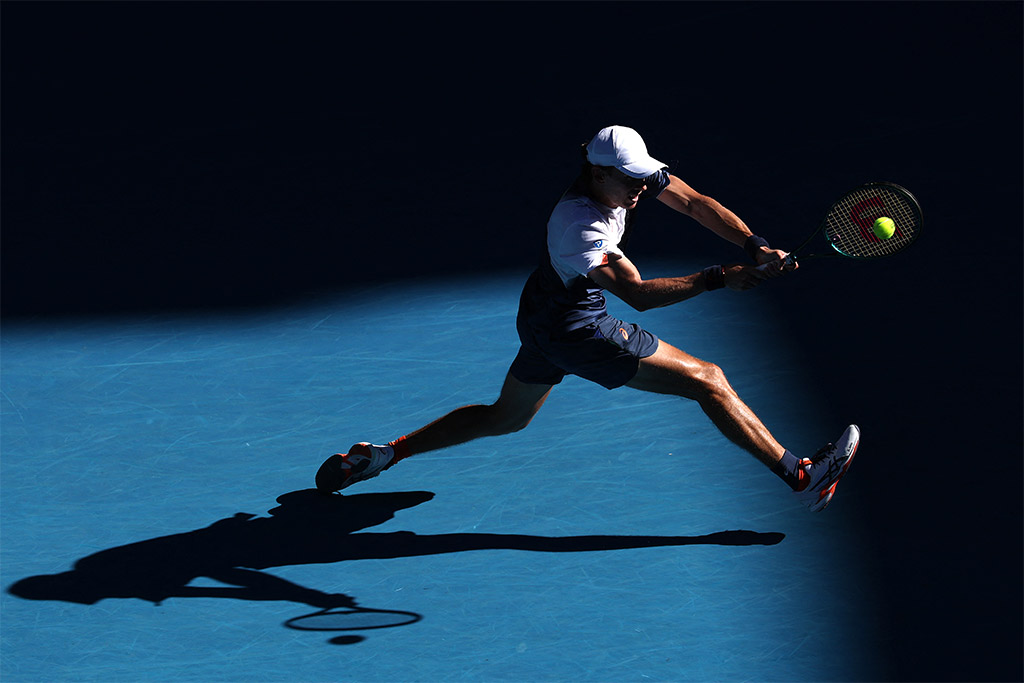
(503, 422)
(517, 423)
(712, 379)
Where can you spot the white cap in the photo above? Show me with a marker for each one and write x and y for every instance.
(624, 149)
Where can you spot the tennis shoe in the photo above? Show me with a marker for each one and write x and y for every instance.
(826, 467)
(363, 461)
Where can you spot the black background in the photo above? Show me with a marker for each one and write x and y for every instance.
(184, 156)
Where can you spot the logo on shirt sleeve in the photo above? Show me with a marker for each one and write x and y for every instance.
(598, 244)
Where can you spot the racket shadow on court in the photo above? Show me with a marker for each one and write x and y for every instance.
(305, 528)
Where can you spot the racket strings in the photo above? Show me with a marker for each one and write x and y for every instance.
(849, 223)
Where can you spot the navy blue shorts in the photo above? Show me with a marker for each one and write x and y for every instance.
(607, 351)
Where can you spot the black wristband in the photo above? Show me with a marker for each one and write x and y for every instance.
(714, 277)
(753, 246)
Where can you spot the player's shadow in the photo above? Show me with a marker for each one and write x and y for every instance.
(305, 528)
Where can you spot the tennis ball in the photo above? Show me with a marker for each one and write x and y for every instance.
(883, 228)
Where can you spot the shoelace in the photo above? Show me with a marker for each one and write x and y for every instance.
(822, 453)
(835, 467)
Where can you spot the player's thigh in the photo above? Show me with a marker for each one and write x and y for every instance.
(673, 371)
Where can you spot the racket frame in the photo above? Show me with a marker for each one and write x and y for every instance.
(795, 256)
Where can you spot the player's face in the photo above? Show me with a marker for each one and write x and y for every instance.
(621, 190)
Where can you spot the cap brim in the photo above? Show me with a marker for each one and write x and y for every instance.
(642, 169)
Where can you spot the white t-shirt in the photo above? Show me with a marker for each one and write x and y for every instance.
(581, 235)
(583, 232)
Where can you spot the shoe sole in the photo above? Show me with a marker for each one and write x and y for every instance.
(329, 478)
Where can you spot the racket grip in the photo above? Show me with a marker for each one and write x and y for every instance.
(788, 263)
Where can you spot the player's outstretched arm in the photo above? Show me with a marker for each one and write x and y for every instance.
(620, 277)
(705, 210)
(713, 216)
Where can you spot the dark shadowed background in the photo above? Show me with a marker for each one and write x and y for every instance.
(161, 156)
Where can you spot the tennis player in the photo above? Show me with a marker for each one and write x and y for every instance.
(564, 327)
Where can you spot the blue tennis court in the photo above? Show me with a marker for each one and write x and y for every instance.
(618, 537)
(240, 237)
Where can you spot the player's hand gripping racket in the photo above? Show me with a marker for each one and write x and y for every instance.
(849, 225)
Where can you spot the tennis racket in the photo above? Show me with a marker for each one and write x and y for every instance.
(847, 227)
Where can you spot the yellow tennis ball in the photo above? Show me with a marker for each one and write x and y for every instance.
(883, 228)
